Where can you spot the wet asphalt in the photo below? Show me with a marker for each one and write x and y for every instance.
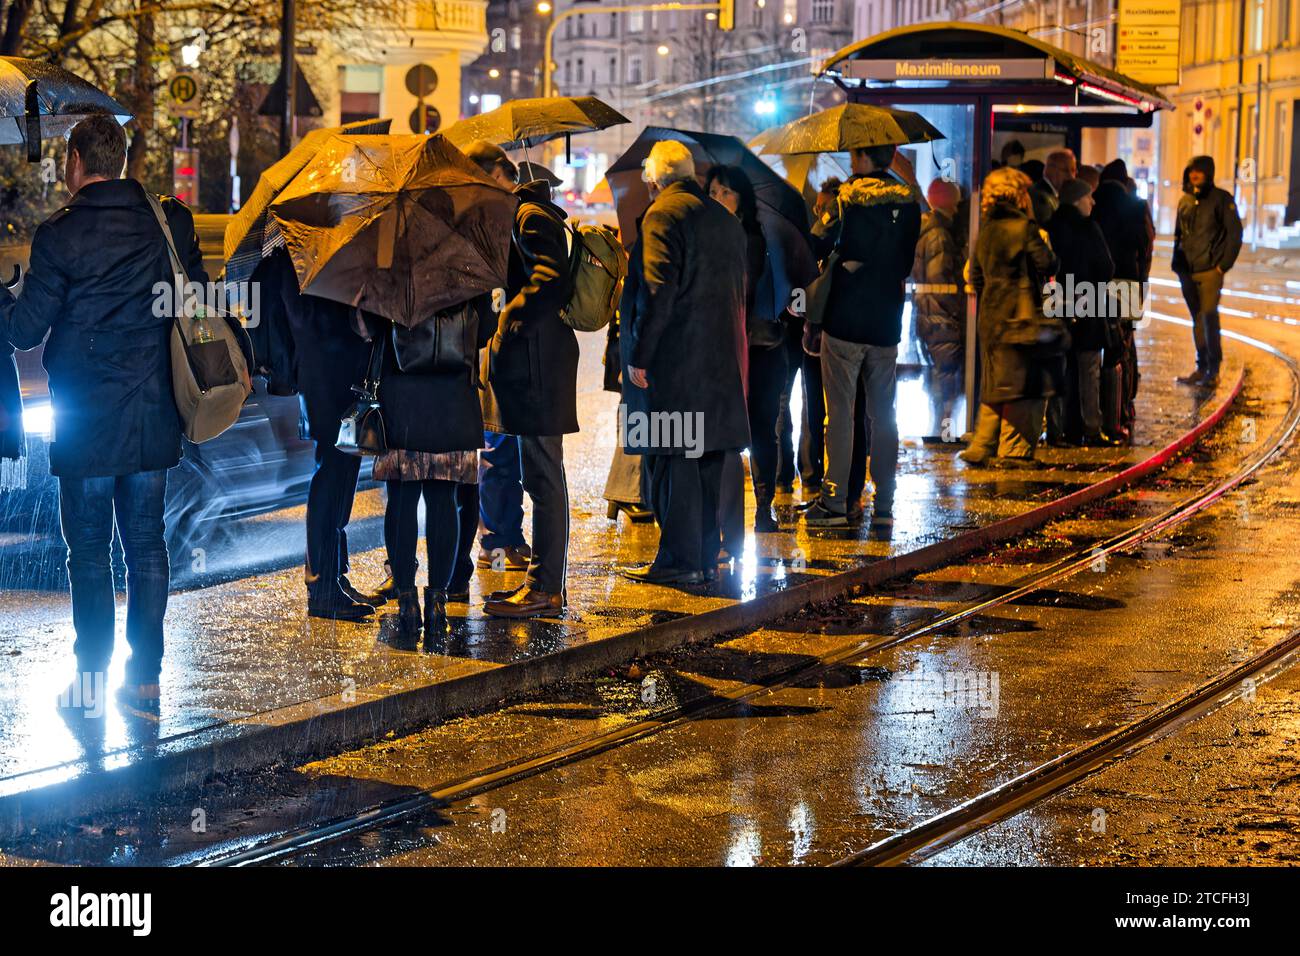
(810, 771)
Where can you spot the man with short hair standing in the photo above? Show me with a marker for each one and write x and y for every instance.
(861, 328)
(91, 288)
(1046, 193)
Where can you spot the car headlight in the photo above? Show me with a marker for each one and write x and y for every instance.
(38, 420)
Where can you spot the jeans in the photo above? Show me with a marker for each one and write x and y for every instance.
(87, 510)
(1201, 292)
(501, 494)
(441, 530)
(330, 496)
(842, 364)
(542, 463)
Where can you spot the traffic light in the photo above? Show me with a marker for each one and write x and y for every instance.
(727, 14)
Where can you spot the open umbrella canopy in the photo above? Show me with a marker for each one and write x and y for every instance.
(850, 126)
(530, 122)
(631, 197)
(246, 240)
(807, 171)
(56, 98)
(402, 226)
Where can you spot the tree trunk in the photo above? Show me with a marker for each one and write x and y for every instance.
(11, 41)
(142, 99)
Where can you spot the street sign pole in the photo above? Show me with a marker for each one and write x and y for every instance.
(287, 71)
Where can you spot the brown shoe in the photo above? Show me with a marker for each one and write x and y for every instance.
(504, 593)
(510, 559)
(527, 603)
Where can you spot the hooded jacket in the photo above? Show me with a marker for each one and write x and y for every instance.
(1208, 233)
(880, 221)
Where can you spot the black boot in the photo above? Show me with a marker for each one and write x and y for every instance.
(765, 516)
(402, 630)
(435, 614)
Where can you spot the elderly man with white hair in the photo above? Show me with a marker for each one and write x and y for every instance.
(686, 353)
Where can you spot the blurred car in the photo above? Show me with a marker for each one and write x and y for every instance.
(261, 464)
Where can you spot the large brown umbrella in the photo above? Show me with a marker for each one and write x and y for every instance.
(402, 226)
(246, 238)
(531, 122)
(850, 126)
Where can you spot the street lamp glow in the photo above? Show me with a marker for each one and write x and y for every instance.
(663, 49)
(494, 72)
(190, 54)
(765, 107)
(543, 7)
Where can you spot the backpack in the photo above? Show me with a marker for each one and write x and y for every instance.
(597, 268)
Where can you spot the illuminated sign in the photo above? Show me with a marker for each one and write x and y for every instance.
(949, 69)
(1146, 40)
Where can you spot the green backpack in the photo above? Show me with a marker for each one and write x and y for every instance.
(597, 266)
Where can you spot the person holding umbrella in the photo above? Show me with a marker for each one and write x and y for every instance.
(861, 328)
(531, 382)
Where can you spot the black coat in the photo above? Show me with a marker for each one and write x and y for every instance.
(310, 345)
(689, 332)
(880, 221)
(94, 266)
(1084, 263)
(1008, 241)
(1122, 218)
(434, 411)
(531, 366)
(1208, 230)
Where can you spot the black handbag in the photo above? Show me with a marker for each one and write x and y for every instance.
(361, 430)
(448, 342)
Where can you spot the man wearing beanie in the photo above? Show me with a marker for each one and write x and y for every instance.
(1207, 240)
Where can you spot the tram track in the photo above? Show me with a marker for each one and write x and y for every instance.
(933, 834)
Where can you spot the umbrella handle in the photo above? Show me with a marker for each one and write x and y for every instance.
(18, 274)
(33, 106)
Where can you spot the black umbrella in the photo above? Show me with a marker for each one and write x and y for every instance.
(40, 101)
(631, 198)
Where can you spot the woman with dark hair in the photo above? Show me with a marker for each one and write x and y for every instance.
(767, 360)
(1012, 260)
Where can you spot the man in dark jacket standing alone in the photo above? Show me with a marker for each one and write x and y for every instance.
(531, 377)
(687, 358)
(90, 286)
(861, 328)
(1207, 240)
